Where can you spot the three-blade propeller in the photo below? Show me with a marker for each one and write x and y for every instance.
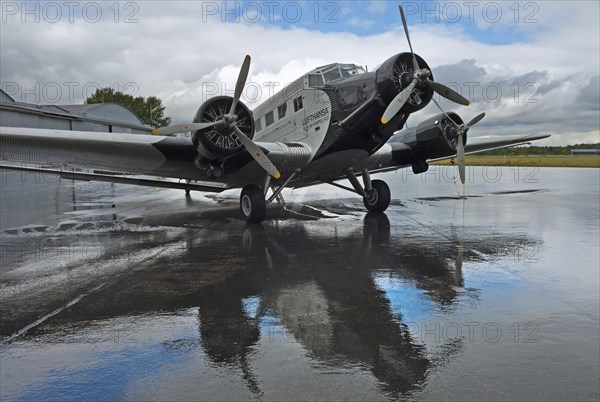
(461, 131)
(420, 77)
(229, 120)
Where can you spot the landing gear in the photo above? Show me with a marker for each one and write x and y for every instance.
(378, 199)
(253, 204)
(376, 193)
(253, 201)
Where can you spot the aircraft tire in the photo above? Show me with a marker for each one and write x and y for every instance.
(379, 198)
(253, 204)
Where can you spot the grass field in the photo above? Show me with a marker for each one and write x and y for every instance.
(587, 161)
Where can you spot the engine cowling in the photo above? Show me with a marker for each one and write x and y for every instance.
(395, 74)
(217, 143)
(436, 137)
(433, 138)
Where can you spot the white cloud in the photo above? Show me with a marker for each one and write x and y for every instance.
(377, 6)
(178, 48)
(361, 22)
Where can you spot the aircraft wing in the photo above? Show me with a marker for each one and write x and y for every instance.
(157, 160)
(399, 155)
(116, 156)
(489, 144)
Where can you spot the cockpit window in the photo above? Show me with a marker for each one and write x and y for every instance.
(315, 80)
(332, 75)
(348, 70)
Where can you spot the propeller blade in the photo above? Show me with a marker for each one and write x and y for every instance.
(460, 156)
(241, 82)
(257, 153)
(475, 120)
(443, 111)
(447, 93)
(460, 146)
(182, 128)
(397, 103)
(414, 59)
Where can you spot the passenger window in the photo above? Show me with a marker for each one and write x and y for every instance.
(281, 110)
(269, 119)
(297, 103)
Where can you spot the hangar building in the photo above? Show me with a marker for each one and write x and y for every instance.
(103, 117)
(595, 151)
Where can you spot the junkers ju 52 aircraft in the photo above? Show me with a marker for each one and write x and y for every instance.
(335, 122)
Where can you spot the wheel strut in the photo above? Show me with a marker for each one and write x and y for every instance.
(277, 192)
(355, 183)
(376, 194)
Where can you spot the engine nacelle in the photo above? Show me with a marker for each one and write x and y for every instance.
(395, 74)
(436, 137)
(217, 143)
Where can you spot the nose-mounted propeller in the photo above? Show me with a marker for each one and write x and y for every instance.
(461, 131)
(420, 77)
(229, 120)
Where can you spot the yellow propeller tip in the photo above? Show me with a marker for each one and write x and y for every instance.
(468, 103)
(277, 175)
(462, 182)
(155, 132)
(383, 121)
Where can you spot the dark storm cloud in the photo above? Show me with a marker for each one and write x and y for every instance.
(458, 72)
(532, 102)
(590, 94)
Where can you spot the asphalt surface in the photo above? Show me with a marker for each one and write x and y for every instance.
(120, 292)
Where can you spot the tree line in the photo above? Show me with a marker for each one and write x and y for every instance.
(539, 150)
(150, 110)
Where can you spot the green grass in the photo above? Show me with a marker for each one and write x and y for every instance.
(585, 161)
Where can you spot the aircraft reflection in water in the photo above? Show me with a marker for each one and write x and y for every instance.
(319, 289)
(323, 295)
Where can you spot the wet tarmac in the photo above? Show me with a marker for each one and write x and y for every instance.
(119, 292)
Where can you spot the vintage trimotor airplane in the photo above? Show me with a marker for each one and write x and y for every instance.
(335, 122)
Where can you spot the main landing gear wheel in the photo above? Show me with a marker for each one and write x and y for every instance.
(379, 197)
(253, 204)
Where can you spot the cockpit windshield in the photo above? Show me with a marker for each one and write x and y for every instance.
(332, 73)
(349, 70)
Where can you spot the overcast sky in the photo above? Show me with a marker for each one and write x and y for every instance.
(531, 66)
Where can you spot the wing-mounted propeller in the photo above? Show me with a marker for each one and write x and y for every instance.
(226, 125)
(461, 139)
(420, 77)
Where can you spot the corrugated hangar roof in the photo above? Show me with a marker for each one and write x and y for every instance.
(5, 98)
(103, 111)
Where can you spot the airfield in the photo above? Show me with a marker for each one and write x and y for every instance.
(114, 292)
